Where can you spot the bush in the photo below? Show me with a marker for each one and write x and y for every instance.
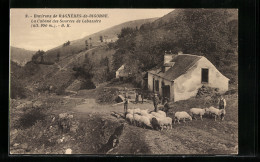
(88, 84)
(30, 118)
(108, 95)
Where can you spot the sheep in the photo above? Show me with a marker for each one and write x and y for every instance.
(144, 112)
(181, 115)
(162, 113)
(156, 114)
(130, 118)
(137, 110)
(137, 119)
(217, 112)
(155, 124)
(145, 122)
(130, 111)
(149, 116)
(198, 111)
(166, 121)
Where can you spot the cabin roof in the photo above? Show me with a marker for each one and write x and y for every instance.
(181, 64)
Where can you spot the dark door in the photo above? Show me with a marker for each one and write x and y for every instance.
(166, 91)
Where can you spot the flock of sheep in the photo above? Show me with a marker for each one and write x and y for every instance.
(159, 120)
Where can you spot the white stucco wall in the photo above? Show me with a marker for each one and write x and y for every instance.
(150, 82)
(187, 85)
(117, 74)
(120, 71)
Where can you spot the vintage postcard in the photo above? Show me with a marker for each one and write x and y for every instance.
(123, 81)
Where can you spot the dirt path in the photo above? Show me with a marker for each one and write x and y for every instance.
(193, 137)
(182, 139)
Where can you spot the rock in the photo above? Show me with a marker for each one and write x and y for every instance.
(28, 103)
(24, 146)
(13, 132)
(68, 151)
(16, 144)
(74, 128)
(213, 129)
(37, 104)
(29, 149)
(17, 151)
(63, 115)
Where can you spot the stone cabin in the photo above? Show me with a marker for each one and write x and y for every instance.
(182, 75)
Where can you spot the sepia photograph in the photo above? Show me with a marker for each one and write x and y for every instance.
(115, 81)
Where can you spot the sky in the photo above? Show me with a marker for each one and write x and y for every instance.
(23, 35)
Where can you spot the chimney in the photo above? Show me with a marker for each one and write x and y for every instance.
(168, 56)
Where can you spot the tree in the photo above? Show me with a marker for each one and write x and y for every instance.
(125, 32)
(90, 44)
(86, 43)
(66, 44)
(38, 54)
(86, 73)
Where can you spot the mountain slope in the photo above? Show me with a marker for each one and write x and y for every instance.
(21, 56)
(79, 45)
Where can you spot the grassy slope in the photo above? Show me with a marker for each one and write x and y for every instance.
(21, 56)
(43, 76)
(77, 46)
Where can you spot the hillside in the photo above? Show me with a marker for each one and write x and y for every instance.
(21, 56)
(79, 45)
(60, 74)
(207, 32)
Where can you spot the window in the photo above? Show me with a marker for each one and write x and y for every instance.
(205, 75)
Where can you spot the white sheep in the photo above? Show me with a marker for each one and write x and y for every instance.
(217, 112)
(137, 119)
(130, 118)
(157, 115)
(144, 112)
(149, 116)
(165, 122)
(137, 110)
(130, 111)
(198, 111)
(162, 113)
(145, 122)
(181, 115)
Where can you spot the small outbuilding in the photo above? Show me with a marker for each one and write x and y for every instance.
(122, 72)
(182, 75)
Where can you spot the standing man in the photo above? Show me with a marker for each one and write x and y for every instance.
(125, 105)
(222, 103)
(142, 96)
(136, 97)
(166, 106)
(155, 102)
